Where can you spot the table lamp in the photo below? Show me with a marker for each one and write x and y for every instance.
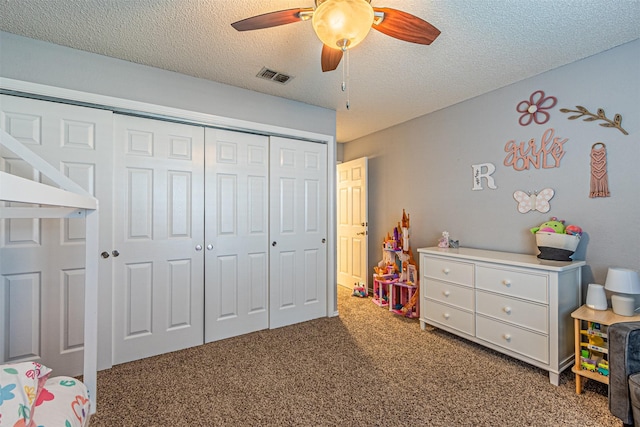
(596, 297)
(624, 283)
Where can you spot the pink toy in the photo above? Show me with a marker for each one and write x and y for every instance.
(444, 240)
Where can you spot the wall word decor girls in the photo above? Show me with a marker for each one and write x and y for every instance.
(547, 155)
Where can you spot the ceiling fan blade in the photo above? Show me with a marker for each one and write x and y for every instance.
(405, 26)
(330, 58)
(272, 19)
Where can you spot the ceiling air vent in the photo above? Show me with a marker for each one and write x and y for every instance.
(274, 76)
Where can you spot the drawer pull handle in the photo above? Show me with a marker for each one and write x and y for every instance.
(446, 316)
(446, 293)
(507, 310)
(507, 337)
(506, 282)
(446, 270)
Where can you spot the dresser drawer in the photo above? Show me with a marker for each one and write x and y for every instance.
(459, 296)
(515, 283)
(454, 318)
(451, 271)
(526, 343)
(523, 313)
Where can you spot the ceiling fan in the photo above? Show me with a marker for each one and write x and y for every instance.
(342, 24)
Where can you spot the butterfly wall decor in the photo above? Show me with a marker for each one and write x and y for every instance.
(534, 201)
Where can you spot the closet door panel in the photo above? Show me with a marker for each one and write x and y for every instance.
(20, 294)
(79, 142)
(236, 236)
(298, 255)
(159, 273)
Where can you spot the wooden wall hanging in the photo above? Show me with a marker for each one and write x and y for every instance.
(534, 201)
(615, 123)
(599, 179)
(478, 174)
(533, 109)
(547, 155)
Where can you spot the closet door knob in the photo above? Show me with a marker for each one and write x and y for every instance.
(446, 271)
(325, 240)
(274, 243)
(507, 310)
(507, 337)
(446, 293)
(105, 254)
(198, 248)
(209, 247)
(115, 253)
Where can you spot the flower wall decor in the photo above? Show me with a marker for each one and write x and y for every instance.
(533, 109)
(615, 123)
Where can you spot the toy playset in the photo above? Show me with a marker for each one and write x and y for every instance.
(395, 281)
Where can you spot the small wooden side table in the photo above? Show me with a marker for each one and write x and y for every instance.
(603, 317)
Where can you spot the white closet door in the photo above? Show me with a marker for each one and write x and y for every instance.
(237, 234)
(42, 260)
(159, 226)
(298, 206)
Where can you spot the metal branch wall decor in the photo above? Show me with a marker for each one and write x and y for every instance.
(615, 123)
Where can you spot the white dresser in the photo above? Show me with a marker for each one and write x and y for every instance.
(516, 304)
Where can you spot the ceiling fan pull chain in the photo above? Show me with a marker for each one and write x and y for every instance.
(347, 83)
(344, 82)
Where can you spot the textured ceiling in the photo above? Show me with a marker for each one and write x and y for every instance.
(484, 45)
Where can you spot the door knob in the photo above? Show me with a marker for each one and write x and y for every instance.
(198, 247)
(209, 246)
(115, 253)
(360, 233)
(274, 243)
(324, 240)
(105, 254)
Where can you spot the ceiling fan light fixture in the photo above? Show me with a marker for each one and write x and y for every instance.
(342, 23)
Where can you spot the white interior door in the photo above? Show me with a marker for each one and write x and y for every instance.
(237, 234)
(298, 231)
(352, 219)
(42, 260)
(159, 226)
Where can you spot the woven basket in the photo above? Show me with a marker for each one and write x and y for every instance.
(556, 246)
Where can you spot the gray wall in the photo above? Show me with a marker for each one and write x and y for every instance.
(424, 166)
(49, 64)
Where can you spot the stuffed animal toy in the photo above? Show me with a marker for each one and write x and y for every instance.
(553, 226)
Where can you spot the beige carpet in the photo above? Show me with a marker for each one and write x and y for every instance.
(366, 367)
